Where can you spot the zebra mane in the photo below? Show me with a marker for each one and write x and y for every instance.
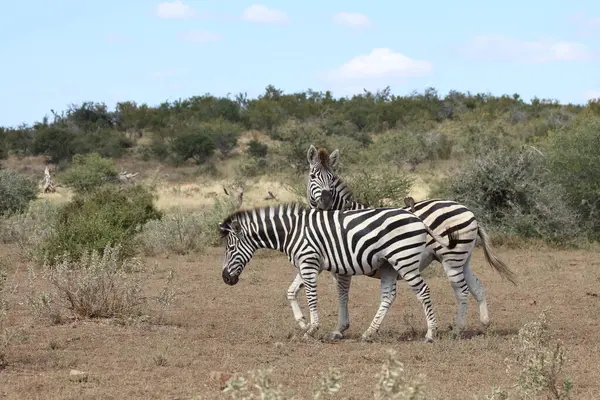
(323, 157)
(277, 208)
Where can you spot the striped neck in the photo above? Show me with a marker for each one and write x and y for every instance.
(273, 227)
(342, 196)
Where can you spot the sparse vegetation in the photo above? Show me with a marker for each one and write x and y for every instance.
(528, 170)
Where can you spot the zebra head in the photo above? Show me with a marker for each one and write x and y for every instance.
(321, 188)
(238, 250)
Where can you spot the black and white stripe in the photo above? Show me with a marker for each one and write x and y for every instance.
(359, 242)
(326, 191)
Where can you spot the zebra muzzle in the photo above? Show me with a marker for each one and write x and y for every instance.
(228, 279)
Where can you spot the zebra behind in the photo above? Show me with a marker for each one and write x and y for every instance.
(346, 243)
(327, 191)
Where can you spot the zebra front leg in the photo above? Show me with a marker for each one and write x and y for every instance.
(388, 295)
(309, 271)
(343, 287)
(292, 296)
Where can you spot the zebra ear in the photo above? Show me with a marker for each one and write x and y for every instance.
(311, 155)
(334, 158)
(236, 227)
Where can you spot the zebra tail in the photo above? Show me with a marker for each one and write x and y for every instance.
(449, 243)
(493, 259)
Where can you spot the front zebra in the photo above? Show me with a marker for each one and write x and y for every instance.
(344, 242)
(328, 192)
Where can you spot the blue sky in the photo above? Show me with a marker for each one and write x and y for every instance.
(59, 52)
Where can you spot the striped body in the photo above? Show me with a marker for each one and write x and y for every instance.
(346, 243)
(326, 191)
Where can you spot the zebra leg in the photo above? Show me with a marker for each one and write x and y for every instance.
(343, 287)
(309, 271)
(388, 295)
(478, 292)
(461, 292)
(292, 296)
(421, 289)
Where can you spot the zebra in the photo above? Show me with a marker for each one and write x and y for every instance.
(358, 242)
(326, 191)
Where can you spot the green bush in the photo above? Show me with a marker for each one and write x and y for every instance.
(88, 172)
(513, 193)
(16, 191)
(379, 188)
(574, 160)
(257, 149)
(224, 133)
(198, 145)
(108, 215)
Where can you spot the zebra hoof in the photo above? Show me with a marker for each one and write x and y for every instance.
(302, 324)
(428, 340)
(366, 339)
(335, 335)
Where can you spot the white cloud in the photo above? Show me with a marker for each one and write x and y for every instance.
(264, 15)
(352, 20)
(174, 10)
(200, 36)
(381, 63)
(585, 24)
(500, 48)
(592, 94)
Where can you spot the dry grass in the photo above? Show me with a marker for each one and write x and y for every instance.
(212, 331)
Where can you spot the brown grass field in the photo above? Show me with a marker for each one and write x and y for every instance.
(212, 330)
(211, 327)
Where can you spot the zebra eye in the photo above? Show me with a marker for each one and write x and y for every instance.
(230, 247)
(312, 175)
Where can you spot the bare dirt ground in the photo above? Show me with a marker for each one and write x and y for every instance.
(213, 327)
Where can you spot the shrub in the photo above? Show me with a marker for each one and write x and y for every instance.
(98, 285)
(514, 194)
(574, 161)
(184, 232)
(106, 216)
(225, 134)
(257, 149)
(88, 172)
(199, 146)
(379, 189)
(16, 191)
(250, 167)
(411, 147)
(30, 229)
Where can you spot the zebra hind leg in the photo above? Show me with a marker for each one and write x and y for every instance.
(421, 289)
(343, 287)
(477, 291)
(461, 292)
(388, 295)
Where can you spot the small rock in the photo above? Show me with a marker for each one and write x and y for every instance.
(278, 345)
(78, 376)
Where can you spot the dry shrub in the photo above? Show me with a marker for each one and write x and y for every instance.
(391, 384)
(97, 285)
(31, 228)
(541, 359)
(185, 232)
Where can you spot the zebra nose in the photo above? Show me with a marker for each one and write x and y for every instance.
(326, 199)
(228, 279)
